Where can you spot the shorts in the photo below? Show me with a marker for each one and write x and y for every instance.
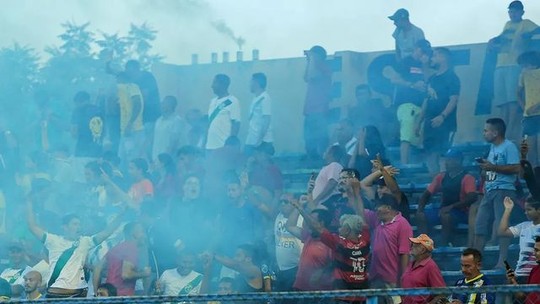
(408, 115)
(437, 139)
(491, 209)
(531, 125)
(505, 85)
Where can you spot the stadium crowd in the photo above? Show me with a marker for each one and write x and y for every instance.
(152, 203)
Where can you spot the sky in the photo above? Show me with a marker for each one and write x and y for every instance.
(277, 28)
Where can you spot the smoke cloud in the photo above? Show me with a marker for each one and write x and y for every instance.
(224, 29)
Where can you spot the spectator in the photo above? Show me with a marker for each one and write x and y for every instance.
(121, 262)
(368, 146)
(387, 185)
(533, 278)
(106, 290)
(87, 125)
(189, 161)
(341, 203)
(32, 285)
(18, 267)
(249, 277)
(182, 280)
(288, 246)
(67, 254)
(131, 104)
(406, 34)
(369, 111)
(471, 266)
(141, 188)
(5, 291)
(318, 77)
(263, 172)
(526, 231)
(226, 286)
(391, 244)
(223, 114)
(239, 220)
(458, 189)
(439, 108)
(314, 271)
(170, 131)
(327, 179)
(260, 116)
(513, 41)
(529, 100)
(529, 174)
(192, 208)
(350, 248)
(149, 89)
(410, 80)
(167, 180)
(345, 136)
(422, 272)
(500, 169)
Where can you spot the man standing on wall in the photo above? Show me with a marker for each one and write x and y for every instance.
(223, 114)
(513, 41)
(318, 77)
(406, 34)
(260, 114)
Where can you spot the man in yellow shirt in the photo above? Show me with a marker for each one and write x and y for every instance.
(131, 123)
(513, 41)
(529, 100)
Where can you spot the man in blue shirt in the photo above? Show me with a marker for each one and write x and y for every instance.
(471, 264)
(500, 171)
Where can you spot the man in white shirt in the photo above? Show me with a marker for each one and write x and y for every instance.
(260, 114)
(223, 114)
(326, 183)
(288, 247)
(182, 280)
(345, 136)
(170, 131)
(14, 274)
(67, 254)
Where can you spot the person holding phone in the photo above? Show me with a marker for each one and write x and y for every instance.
(533, 278)
(500, 169)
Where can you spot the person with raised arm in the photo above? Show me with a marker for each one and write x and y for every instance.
(67, 253)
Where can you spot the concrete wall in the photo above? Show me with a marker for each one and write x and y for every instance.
(191, 85)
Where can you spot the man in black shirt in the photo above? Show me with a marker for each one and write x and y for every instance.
(410, 93)
(87, 122)
(439, 108)
(87, 127)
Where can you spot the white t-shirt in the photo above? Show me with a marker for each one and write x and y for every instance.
(72, 274)
(288, 247)
(350, 146)
(526, 232)
(173, 284)
(220, 128)
(260, 106)
(15, 276)
(328, 173)
(168, 132)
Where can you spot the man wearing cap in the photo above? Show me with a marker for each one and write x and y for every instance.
(513, 41)
(14, 274)
(422, 272)
(318, 77)
(406, 34)
(391, 245)
(458, 189)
